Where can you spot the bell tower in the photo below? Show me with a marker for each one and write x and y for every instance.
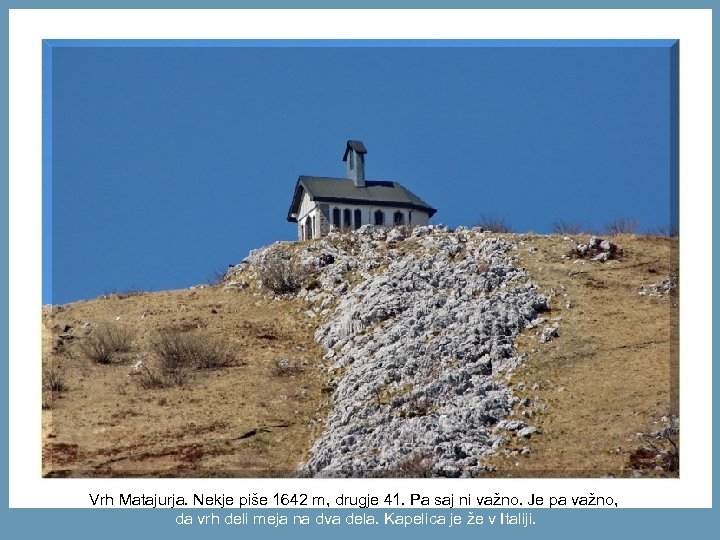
(355, 157)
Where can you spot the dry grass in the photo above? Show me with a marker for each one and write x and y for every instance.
(282, 276)
(180, 354)
(54, 383)
(494, 223)
(54, 379)
(106, 344)
(239, 419)
(623, 226)
(613, 371)
(413, 466)
(566, 227)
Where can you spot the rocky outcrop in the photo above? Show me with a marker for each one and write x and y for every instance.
(597, 249)
(661, 288)
(417, 323)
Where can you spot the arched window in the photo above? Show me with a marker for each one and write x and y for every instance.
(358, 218)
(398, 218)
(336, 217)
(347, 215)
(379, 217)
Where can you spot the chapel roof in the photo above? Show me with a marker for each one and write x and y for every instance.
(344, 191)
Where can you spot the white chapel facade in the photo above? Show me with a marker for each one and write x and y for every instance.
(321, 204)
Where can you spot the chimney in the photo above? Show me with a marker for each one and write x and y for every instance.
(355, 157)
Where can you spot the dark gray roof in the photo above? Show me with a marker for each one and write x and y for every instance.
(358, 146)
(344, 191)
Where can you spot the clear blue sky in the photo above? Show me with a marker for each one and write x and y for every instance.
(169, 163)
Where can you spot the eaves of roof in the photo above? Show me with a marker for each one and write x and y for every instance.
(344, 191)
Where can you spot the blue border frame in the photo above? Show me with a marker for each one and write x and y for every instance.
(121, 523)
(359, 4)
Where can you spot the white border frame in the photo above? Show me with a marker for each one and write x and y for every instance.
(27, 29)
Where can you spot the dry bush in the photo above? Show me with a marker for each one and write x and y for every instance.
(406, 229)
(661, 449)
(281, 276)
(104, 345)
(53, 383)
(182, 353)
(414, 466)
(566, 227)
(493, 223)
(53, 379)
(623, 226)
(150, 379)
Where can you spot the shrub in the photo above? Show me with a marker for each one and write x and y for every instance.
(53, 379)
(281, 276)
(623, 226)
(661, 449)
(103, 346)
(181, 353)
(413, 466)
(493, 223)
(149, 379)
(53, 382)
(565, 227)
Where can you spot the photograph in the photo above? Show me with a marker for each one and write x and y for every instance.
(360, 259)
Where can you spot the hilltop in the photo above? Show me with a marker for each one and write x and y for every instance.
(379, 352)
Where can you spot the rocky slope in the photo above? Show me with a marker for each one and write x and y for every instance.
(382, 352)
(417, 324)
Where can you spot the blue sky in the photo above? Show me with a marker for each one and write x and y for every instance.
(169, 163)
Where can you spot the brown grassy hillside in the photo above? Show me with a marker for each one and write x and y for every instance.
(605, 383)
(253, 417)
(610, 375)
